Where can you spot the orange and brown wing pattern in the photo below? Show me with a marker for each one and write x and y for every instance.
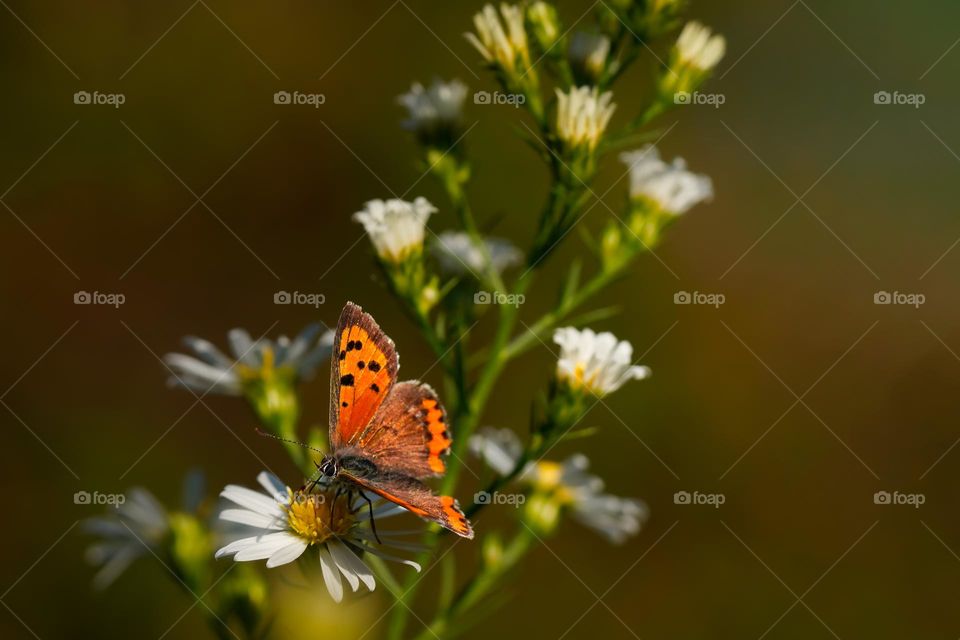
(363, 371)
(409, 434)
(416, 497)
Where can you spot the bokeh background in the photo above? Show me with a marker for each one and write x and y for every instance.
(101, 199)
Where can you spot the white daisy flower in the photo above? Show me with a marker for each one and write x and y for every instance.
(457, 253)
(583, 114)
(599, 363)
(588, 54)
(697, 47)
(503, 43)
(396, 227)
(213, 371)
(131, 530)
(283, 524)
(438, 109)
(567, 483)
(670, 186)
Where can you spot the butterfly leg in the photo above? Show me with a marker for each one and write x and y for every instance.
(373, 522)
(312, 484)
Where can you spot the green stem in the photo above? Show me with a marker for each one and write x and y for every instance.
(481, 584)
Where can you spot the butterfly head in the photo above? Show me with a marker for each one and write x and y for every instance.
(329, 467)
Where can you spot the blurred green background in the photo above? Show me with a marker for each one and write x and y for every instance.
(104, 209)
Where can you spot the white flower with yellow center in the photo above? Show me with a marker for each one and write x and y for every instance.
(131, 530)
(396, 227)
(698, 47)
(502, 43)
(583, 114)
(433, 110)
(211, 371)
(562, 485)
(670, 186)
(588, 54)
(283, 524)
(457, 253)
(596, 362)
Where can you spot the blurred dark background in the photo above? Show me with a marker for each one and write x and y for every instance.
(97, 200)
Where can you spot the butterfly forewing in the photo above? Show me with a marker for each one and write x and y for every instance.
(363, 370)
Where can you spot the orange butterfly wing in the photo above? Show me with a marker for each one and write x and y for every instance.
(362, 372)
(409, 433)
(416, 497)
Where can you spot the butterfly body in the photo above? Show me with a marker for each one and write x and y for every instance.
(385, 436)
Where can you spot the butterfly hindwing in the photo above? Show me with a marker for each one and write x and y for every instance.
(409, 433)
(416, 497)
(363, 371)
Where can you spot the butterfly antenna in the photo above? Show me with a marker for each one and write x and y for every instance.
(263, 433)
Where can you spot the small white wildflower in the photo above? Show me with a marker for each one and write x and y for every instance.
(566, 483)
(396, 227)
(433, 110)
(282, 524)
(583, 114)
(213, 372)
(457, 253)
(599, 363)
(670, 186)
(503, 43)
(588, 53)
(698, 47)
(131, 530)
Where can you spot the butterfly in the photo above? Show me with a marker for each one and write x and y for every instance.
(385, 436)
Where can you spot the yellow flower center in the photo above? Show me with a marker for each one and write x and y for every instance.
(316, 517)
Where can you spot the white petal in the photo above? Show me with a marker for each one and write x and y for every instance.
(330, 575)
(387, 556)
(293, 550)
(116, 565)
(337, 553)
(265, 546)
(252, 518)
(346, 559)
(252, 500)
(273, 486)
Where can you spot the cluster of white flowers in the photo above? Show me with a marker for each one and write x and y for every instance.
(396, 227)
(598, 363)
(568, 482)
(670, 186)
(211, 371)
(698, 47)
(583, 114)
